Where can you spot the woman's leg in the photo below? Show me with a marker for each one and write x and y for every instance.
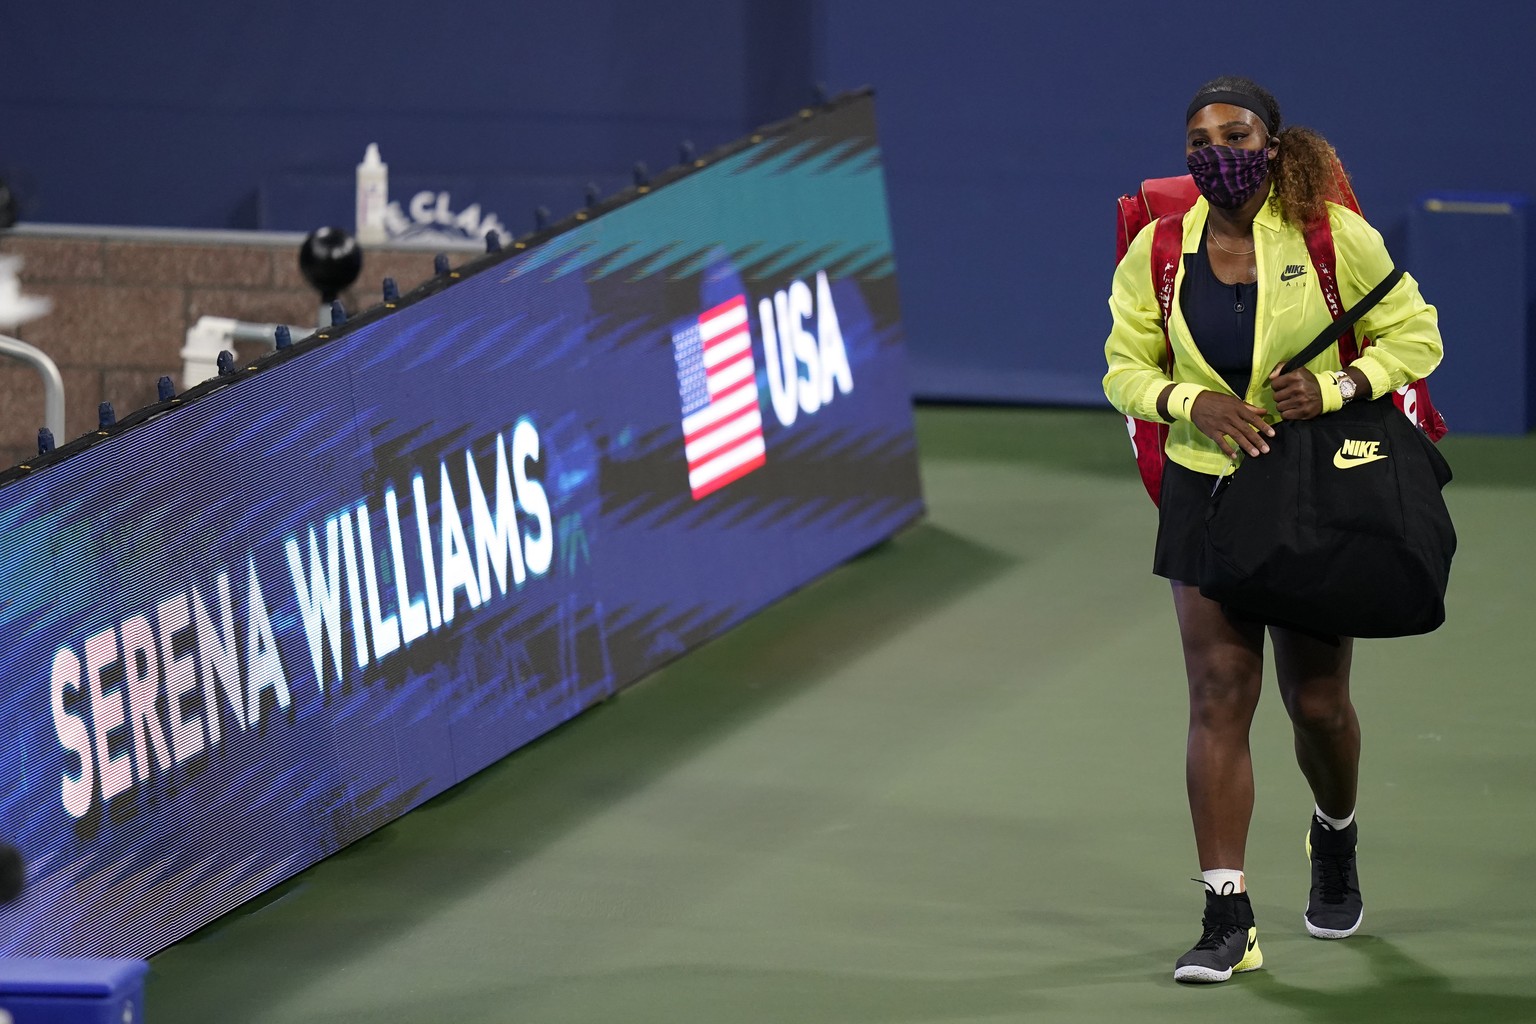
(1314, 683)
(1224, 662)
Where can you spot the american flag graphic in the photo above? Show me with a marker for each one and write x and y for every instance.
(717, 380)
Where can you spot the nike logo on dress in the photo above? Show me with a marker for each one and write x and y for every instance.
(1292, 272)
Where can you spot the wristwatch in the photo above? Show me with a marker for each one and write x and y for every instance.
(1346, 385)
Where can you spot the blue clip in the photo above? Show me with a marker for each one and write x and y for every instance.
(685, 152)
(593, 194)
(105, 416)
(440, 264)
(391, 290)
(642, 175)
(165, 388)
(540, 218)
(819, 94)
(226, 362)
(44, 440)
(283, 336)
(338, 313)
(492, 241)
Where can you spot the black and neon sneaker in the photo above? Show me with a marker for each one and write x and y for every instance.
(1229, 942)
(1334, 909)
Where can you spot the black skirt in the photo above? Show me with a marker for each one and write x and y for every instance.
(1181, 507)
(1182, 502)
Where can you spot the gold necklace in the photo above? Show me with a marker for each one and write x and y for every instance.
(1246, 252)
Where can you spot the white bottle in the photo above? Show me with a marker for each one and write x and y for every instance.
(372, 197)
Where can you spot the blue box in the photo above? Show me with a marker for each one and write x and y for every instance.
(72, 990)
(1474, 256)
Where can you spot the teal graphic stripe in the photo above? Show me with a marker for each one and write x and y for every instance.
(777, 210)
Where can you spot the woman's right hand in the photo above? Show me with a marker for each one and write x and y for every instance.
(1225, 419)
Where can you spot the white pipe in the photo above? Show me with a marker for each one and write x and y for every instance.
(17, 309)
(213, 334)
(53, 381)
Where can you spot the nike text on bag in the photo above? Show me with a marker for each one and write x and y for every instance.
(1341, 527)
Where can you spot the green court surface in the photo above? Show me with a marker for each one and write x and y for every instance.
(944, 783)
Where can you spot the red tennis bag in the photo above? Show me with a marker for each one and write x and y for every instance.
(1165, 200)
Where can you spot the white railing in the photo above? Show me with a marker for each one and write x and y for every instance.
(16, 308)
(53, 383)
(213, 334)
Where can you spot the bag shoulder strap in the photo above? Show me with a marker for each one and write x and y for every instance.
(1167, 250)
(1319, 235)
(1344, 322)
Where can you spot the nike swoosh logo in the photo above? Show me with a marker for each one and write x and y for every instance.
(1343, 461)
(1253, 942)
(1286, 275)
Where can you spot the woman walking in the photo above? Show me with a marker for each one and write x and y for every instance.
(1245, 299)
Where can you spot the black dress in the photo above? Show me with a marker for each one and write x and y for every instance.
(1222, 324)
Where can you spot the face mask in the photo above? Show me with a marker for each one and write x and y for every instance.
(1229, 177)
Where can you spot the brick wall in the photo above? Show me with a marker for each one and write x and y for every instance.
(122, 306)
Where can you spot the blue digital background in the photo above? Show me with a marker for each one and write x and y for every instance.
(572, 337)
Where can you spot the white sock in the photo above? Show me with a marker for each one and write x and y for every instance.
(1337, 824)
(1224, 881)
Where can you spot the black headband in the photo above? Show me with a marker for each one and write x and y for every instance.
(1247, 101)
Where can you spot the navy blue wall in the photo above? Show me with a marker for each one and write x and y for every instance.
(1009, 128)
(150, 118)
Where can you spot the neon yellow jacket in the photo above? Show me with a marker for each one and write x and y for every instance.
(1289, 313)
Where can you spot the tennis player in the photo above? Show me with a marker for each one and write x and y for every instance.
(1246, 299)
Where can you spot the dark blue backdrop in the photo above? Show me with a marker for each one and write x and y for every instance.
(1008, 128)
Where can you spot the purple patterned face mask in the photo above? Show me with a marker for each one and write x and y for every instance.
(1228, 177)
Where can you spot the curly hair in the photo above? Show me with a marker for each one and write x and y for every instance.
(1306, 169)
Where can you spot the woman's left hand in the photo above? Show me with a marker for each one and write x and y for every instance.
(1298, 396)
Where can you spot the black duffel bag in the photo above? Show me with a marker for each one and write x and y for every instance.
(1341, 528)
